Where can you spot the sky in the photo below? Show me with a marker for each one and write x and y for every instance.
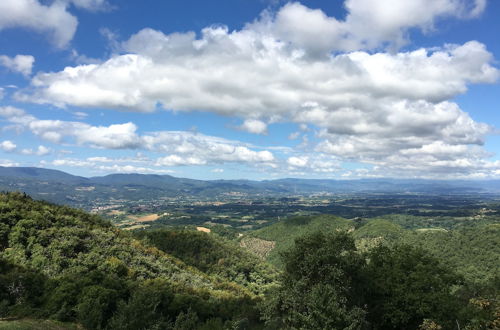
(252, 89)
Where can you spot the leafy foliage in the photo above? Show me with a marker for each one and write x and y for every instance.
(412, 222)
(213, 255)
(30, 324)
(59, 241)
(286, 231)
(379, 228)
(64, 264)
(328, 284)
(407, 285)
(473, 252)
(322, 284)
(61, 263)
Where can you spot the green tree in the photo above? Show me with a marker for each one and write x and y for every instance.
(147, 307)
(407, 286)
(21, 289)
(4, 235)
(96, 306)
(321, 285)
(186, 321)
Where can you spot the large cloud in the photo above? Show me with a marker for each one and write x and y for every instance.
(299, 65)
(368, 24)
(229, 75)
(352, 134)
(266, 68)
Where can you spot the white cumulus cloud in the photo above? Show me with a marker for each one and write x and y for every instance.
(40, 151)
(254, 126)
(370, 102)
(317, 163)
(48, 17)
(53, 19)
(371, 23)
(19, 63)
(181, 147)
(8, 146)
(186, 148)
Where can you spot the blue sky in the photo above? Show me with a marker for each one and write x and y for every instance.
(252, 89)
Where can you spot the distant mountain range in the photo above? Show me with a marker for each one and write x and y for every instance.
(60, 187)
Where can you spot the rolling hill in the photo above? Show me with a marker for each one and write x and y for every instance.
(284, 233)
(473, 251)
(61, 263)
(60, 187)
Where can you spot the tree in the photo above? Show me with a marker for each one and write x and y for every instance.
(407, 286)
(4, 235)
(186, 321)
(96, 306)
(321, 285)
(147, 307)
(21, 289)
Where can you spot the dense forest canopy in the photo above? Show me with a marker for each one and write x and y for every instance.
(66, 265)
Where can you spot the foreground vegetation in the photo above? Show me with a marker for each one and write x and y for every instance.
(473, 250)
(214, 256)
(29, 324)
(64, 265)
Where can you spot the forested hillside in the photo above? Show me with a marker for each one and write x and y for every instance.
(61, 263)
(466, 255)
(215, 256)
(60, 187)
(473, 250)
(284, 233)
